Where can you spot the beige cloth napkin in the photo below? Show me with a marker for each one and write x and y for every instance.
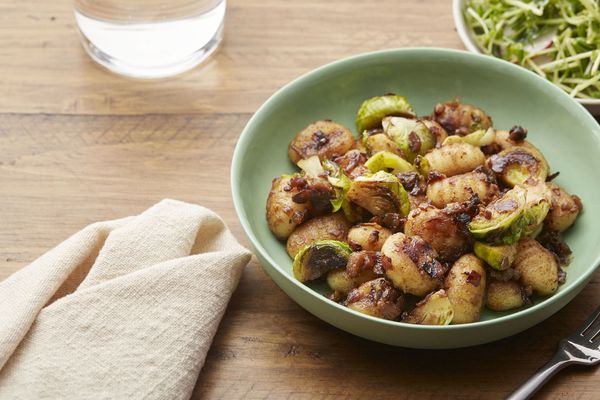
(122, 309)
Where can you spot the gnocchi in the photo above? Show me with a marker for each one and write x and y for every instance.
(460, 188)
(325, 139)
(454, 159)
(368, 236)
(331, 226)
(423, 220)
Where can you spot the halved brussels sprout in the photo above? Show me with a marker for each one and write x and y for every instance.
(318, 258)
(378, 298)
(478, 138)
(537, 205)
(422, 165)
(312, 167)
(385, 160)
(373, 110)
(340, 182)
(380, 142)
(379, 194)
(437, 131)
(501, 220)
(411, 135)
(518, 165)
(498, 257)
(435, 309)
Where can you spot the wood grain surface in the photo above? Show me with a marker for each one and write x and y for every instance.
(80, 145)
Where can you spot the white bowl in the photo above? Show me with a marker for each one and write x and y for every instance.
(464, 32)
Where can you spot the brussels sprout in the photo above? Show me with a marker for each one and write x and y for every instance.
(378, 298)
(478, 138)
(501, 220)
(380, 142)
(340, 182)
(518, 165)
(379, 194)
(312, 167)
(422, 165)
(435, 309)
(537, 205)
(498, 257)
(411, 135)
(373, 110)
(315, 169)
(318, 258)
(385, 160)
(437, 131)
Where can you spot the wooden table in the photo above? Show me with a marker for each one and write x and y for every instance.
(80, 145)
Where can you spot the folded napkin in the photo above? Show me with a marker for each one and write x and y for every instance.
(122, 309)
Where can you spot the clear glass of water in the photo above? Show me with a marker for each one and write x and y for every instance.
(150, 38)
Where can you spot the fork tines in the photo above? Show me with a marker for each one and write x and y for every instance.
(590, 329)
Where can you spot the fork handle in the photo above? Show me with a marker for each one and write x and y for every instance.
(560, 360)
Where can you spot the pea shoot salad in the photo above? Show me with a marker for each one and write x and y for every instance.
(557, 39)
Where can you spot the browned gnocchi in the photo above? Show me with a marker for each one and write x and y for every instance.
(440, 228)
(505, 295)
(460, 188)
(465, 286)
(331, 226)
(537, 267)
(368, 236)
(423, 220)
(324, 139)
(454, 159)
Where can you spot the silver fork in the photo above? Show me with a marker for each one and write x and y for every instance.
(582, 347)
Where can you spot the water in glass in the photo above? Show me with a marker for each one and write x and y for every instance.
(150, 38)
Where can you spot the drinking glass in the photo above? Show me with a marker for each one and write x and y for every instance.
(150, 38)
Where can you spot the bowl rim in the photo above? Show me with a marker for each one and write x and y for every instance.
(244, 140)
(465, 36)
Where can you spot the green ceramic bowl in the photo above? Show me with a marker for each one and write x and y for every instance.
(558, 125)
